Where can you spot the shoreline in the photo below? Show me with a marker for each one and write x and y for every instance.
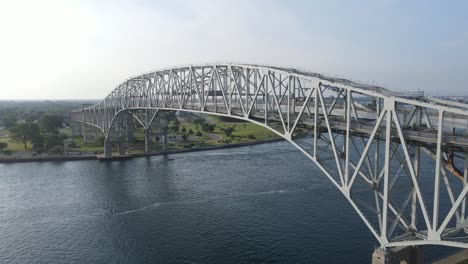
(135, 155)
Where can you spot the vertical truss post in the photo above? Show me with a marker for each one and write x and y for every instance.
(265, 88)
(230, 75)
(316, 120)
(247, 88)
(435, 215)
(389, 108)
(347, 139)
(202, 90)
(289, 106)
(465, 179)
(414, 198)
(416, 157)
(376, 168)
(294, 95)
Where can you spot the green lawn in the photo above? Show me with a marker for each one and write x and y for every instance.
(15, 146)
(89, 147)
(241, 131)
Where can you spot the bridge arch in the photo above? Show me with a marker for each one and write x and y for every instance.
(358, 135)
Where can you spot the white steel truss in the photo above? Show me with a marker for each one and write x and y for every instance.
(366, 139)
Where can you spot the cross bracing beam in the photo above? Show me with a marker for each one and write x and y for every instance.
(362, 137)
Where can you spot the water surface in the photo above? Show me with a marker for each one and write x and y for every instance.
(258, 204)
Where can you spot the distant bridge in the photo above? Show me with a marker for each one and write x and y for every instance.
(369, 141)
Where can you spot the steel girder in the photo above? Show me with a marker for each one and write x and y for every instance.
(366, 139)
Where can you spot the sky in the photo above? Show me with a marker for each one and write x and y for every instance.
(84, 49)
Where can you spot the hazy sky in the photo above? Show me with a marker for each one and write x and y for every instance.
(84, 49)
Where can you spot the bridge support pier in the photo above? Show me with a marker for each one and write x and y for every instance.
(76, 128)
(398, 255)
(130, 128)
(83, 133)
(121, 146)
(147, 140)
(107, 148)
(164, 141)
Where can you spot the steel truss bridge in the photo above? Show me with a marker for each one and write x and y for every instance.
(369, 141)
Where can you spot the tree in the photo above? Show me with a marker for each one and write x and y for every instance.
(3, 145)
(50, 123)
(56, 150)
(183, 130)
(9, 119)
(38, 144)
(25, 132)
(52, 140)
(167, 116)
(190, 131)
(175, 128)
(227, 130)
(72, 144)
(198, 122)
(207, 127)
(184, 137)
(198, 134)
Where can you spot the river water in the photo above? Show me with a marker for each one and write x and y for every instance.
(258, 204)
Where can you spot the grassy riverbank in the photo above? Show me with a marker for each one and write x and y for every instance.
(189, 135)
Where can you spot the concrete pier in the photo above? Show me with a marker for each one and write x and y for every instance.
(147, 140)
(121, 147)
(130, 128)
(398, 255)
(107, 148)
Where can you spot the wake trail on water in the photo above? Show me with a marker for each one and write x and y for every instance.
(210, 199)
(112, 212)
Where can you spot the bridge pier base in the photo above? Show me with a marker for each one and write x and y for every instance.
(83, 133)
(398, 255)
(107, 148)
(147, 140)
(164, 141)
(76, 128)
(130, 128)
(121, 146)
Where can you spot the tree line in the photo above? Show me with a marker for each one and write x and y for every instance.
(43, 133)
